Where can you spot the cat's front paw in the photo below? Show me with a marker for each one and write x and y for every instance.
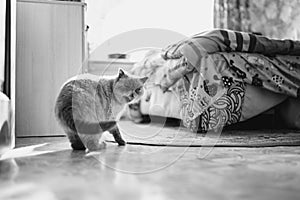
(121, 142)
(117, 136)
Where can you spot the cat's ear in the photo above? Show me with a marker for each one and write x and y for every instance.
(143, 80)
(121, 74)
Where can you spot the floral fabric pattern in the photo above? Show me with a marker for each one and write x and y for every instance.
(225, 111)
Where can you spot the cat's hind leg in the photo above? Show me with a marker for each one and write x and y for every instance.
(75, 140)
(117, 135)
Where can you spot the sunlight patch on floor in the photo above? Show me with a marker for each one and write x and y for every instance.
(31, 150)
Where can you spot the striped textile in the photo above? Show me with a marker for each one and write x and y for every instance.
(221, 40)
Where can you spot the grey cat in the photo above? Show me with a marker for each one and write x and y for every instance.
(86, 108)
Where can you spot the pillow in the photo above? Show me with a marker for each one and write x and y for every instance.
(159, 103)
(258, 100)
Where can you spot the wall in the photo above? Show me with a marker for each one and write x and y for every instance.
(108, 18)
(276, 18)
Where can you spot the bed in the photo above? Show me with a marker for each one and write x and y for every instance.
(218, 78)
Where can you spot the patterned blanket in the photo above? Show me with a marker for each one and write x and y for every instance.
(279, 74)
(209, 70)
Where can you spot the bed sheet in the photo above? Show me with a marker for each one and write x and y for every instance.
(210, 83)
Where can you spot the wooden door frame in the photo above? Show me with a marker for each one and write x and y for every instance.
(9, 59)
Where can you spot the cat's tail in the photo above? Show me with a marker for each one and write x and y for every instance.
(90, 134)
(86, 128)
(93, 127)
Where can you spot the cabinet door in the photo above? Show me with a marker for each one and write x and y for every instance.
(49, 51)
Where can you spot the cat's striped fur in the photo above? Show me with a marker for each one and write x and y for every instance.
(86, 108)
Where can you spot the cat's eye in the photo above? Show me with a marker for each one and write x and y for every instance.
(138, 90)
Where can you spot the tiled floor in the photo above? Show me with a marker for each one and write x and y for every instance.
(46, 168)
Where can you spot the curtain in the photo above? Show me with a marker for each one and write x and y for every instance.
(232, 14)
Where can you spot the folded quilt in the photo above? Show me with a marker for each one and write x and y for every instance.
(221, 40)
(193, 49)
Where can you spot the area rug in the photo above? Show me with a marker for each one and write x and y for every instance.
(160, 135)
